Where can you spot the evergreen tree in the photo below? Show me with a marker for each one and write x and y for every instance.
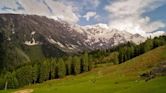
(121, 55)
(44, 71)
(24, 75)
(35, 73)
(131, 51)
(61, 68)
(85, 62)
(90, 62)
(76, 66)
(13, 82)
(68, 63)
(148, 45)
(53, 71)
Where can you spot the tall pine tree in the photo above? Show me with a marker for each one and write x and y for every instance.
(76, 66)
(61, 68)
(85, 62)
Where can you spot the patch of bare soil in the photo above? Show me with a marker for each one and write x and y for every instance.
(24, 91)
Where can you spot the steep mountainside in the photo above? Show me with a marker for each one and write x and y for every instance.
(26, 38)
(33, 30)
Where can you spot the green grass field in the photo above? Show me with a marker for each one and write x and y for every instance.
(123, 78)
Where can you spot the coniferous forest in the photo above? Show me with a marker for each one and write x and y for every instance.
(54, 68)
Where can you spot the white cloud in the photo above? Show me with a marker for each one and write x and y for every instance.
(49, 8)
(128, 15)
(89, 15)
(68, 10)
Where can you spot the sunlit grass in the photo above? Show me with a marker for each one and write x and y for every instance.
(123, 78)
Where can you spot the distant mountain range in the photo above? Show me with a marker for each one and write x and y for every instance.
(31, 38)
(43, 37)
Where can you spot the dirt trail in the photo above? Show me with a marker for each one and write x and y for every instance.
(24, 91)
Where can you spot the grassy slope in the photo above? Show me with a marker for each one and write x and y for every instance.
(123, 78)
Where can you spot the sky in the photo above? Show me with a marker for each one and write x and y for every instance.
(132, 15)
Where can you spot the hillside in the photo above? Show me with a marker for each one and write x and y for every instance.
(38, 37)
(123, 78)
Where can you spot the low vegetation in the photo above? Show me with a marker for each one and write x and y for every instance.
(57, 68)
(122, 78)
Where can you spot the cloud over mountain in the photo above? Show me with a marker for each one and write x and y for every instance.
(129, 15)
(49, 8)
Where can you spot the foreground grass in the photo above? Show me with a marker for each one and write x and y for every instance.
(123, 78)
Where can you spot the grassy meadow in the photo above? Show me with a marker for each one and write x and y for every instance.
(108, 78)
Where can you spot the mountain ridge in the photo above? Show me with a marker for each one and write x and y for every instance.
(38, 37)
(66, 36)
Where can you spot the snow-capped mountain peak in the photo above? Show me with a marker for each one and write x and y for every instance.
(61, 35)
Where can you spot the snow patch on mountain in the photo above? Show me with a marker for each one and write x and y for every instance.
(32, 33)
(52, 41)
(32, 43)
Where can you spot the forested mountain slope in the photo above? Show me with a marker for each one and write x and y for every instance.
(122, 78)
